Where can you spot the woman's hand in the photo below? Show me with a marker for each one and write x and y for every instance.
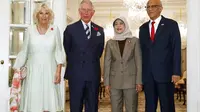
(58, 74)
(138, 87)
(57, 78)
(108, 90)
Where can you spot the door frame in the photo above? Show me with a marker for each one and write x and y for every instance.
(4, 54)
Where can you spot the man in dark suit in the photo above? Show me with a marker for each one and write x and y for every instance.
(83, 44)
(161, 58)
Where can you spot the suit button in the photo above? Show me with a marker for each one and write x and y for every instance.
(82, 61)
(121, 71)
(122, 62)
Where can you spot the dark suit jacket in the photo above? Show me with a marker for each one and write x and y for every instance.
(83, 55)
(161, 58)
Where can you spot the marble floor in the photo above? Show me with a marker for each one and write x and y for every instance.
(104, 105)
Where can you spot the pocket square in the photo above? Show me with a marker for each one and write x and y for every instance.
(98, 33)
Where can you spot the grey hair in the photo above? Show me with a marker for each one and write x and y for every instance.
(160, 3)
(87, 2)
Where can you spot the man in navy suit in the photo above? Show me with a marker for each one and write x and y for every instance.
(83, 44)
(161, 58)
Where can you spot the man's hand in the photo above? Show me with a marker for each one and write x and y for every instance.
(138, 87)
(175, 78)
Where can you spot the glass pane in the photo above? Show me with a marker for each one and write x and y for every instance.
(11, 71)
(20, 12)
(17, 36)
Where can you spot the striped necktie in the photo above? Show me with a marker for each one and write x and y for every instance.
(87, 31)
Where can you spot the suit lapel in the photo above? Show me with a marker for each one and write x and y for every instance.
(93, 32)
(92, 36)
(82, 30)
(148, 41)
(127, 47)
(160, 28)
(126, 50)
(82, 34)
(116, 46)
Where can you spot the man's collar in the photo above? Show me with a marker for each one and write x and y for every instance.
(157, 20)
(84, 24)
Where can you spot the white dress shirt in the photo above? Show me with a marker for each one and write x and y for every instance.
(157, 21)
(84, 25)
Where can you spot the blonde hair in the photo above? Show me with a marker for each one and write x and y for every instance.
(38, 9)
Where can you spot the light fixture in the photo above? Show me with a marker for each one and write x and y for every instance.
(109, 32)
(108, 29)
(136, 11)
(135, 5)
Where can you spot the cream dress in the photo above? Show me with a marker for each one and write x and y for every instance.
(41, 54)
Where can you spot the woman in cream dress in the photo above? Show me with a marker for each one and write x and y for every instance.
(42, 54)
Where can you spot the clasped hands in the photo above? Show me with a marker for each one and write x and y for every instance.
(138, 88)
(175, 78)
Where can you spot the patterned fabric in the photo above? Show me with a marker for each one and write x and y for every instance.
(87, 30)
(15, 92)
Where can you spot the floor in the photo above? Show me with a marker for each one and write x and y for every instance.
(104, 105)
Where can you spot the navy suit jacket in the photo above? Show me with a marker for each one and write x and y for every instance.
(161, 58)
(83, 54)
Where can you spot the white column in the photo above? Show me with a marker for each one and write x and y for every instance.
(4, 51)
(193, 56)
(60, 11)
(73, 6)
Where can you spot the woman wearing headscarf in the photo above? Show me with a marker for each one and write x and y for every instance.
(122, 67)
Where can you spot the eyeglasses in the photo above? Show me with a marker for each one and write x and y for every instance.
(86, 10)
(152, 6)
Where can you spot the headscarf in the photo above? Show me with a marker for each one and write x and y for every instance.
(127, 32)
